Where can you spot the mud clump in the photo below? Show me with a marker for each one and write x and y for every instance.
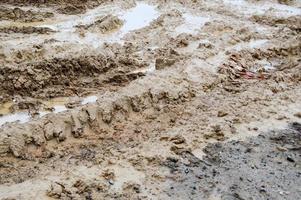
(293, 22)
(26, 30)
(286, 2)
(73, 9)
(120, 79)
(67, 73)
(18, 14)
(30, 104)
(74, 124)
(104, 25)
(166, 57)
(250, 64)
(162, 63)
(76, 191)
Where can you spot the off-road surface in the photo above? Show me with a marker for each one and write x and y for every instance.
(154, 99)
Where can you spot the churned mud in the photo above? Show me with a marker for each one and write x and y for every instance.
(150, 99)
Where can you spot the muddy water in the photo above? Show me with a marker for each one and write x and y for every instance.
(90, 99)
(138, 17)
(58, 105)
(21, 117)
(66, 30)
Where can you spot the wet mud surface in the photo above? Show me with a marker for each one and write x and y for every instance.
(150, 99)
(262, 167)
(17, 14)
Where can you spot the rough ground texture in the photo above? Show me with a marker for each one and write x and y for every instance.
(195, 99)
(262, 167)
(17, 14)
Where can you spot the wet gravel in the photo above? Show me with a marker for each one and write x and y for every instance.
(262, 167)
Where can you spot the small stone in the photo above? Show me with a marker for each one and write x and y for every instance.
(298, 114)
(281, 148)
(162, 63)
(217, 128)
(55, 190)
(290, 159)
(206, 45)
(281, 117)
(222, 114)
(178, 139)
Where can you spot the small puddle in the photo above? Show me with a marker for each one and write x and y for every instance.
(90, 99)
(58, 105)
(135, 18)
(5, 108)
(21, 117)
(138, 17)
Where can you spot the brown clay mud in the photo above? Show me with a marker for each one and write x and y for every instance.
(25, 30)
(17, 14)
(36, 77)
(150, 99)
(104, 25)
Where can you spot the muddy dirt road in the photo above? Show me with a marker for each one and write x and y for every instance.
(154, 99)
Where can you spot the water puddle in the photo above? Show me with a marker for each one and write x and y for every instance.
(138, 17)
(57, 104)
(21, 117)
(90, 99)
(146, 14)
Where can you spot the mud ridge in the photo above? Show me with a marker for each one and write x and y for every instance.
(17, 14)
(104, 25)
(293, 22)
(16, 139)
(247, 64)
(26, 30)
(32, 78)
